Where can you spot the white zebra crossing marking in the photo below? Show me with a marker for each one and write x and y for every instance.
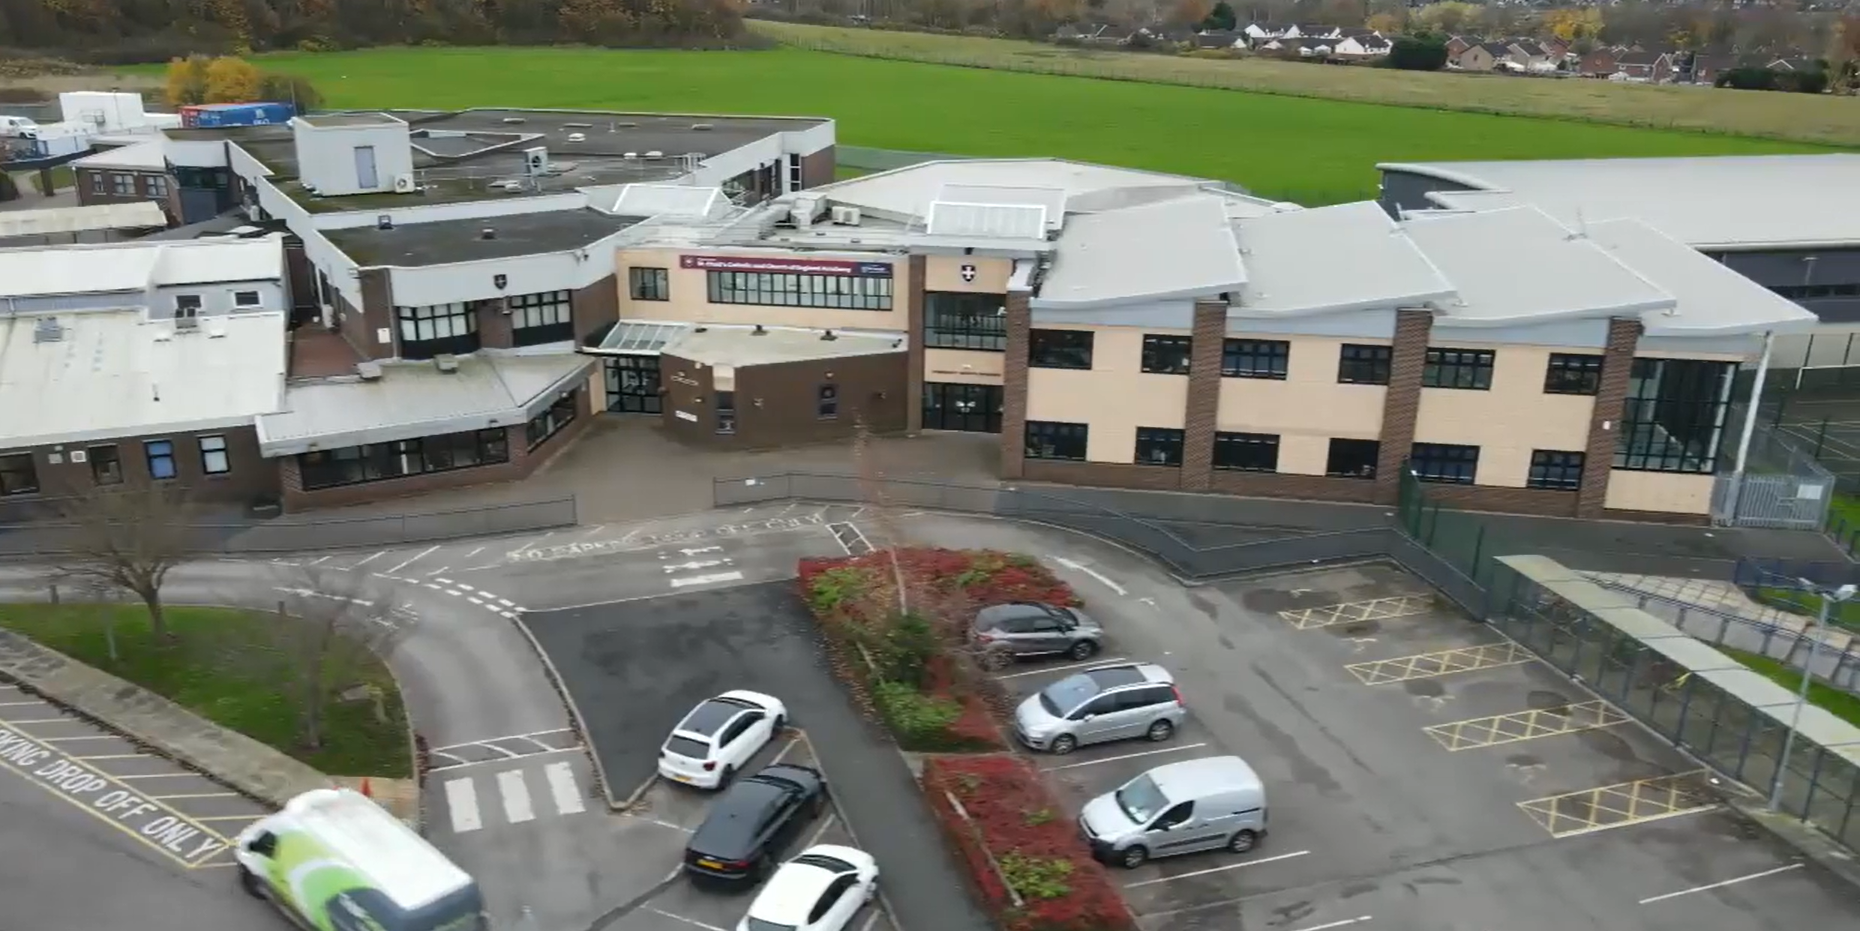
(516, 795)
(462, 799)
(562, 786)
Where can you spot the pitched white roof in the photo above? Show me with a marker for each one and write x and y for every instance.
(56, 221)
(1053, 199)
(136, 266)
(1346, 257)
(1712, 298)
(110, 374)
(667, 200)
(908, 192)
(1174, 249)
(151, 155)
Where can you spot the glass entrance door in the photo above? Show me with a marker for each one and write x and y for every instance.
(633, 385)
(970, 408)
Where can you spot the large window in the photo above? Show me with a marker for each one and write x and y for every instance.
(1246, 452)
(213, 457)
(1673, 418)
(1363, 365)
(1556, 469)
(1444, 462)
(123, 185)
(106, 468)
(1573, 373)
(1167, 355)
(1352, 458)
(550, 422)
(964, 321)
(1469, 369)
(1051, 440)
(18, 474)
(155, 185)
(352, 465)
(160, 456)
(782, 289)
(1255, 358)
(633, 385)
(437, 329)
(1161, 446)
(972, 408)
(541, 318)
(1809, 292)
(649, 284)
(1059, 349)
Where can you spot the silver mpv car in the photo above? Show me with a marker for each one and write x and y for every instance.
(1114, 701)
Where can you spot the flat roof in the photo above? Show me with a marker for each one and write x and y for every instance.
(1340, 258)
(743, 346)
(1519, 266)
(1712, 299)
(416, 399)
(151, 155)
(54, 221)
(105, 268)
(909, 191)
(1174, 249)
(447, 241)
(1725, 203)
(333, 120)
(111, 374)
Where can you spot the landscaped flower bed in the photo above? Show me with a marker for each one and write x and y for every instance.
(1016, 835)
(905, 661)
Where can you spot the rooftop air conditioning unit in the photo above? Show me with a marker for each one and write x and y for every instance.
(846, 216)
(510, 187)
(536, 160)
(578, 137)
(655, 154)
(404, 184)
(216, 329)
(186, 324)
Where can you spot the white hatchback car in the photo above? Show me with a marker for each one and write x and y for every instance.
(719, 737)
(820, 890)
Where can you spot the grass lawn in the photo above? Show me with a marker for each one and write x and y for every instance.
(202, 672)
(1836, 702)
(1309, 151)
(1845, 615)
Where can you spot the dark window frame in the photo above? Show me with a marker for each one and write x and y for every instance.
(1666, 426)
(724, 403)
(99, 182)
(206, 454)
(1364, 364)
(1166, 354)
(645, 396)
(1060, 349)
(381, 462)
(239, 299)
(542, 317)
(1160, 446)
(1577, 373)
(646, 283)
(1232, 452)
(189, 305)
(14, 465)
(965, 320)
(105, 469)
(1056, 440)
(542, 427)
(1444, 463)
(1556, 469)
(461, 322)
(827, 401)
(1255, 358)
(1346, 461)
(123, 184)
(800, 289)
(150, 457)
(1458, 369)
(942, 400)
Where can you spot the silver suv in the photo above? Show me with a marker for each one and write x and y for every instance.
(1031, 628)
(1110, 702)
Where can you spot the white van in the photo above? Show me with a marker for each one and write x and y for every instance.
(335, 861)
(1217, 803)
(18, 127)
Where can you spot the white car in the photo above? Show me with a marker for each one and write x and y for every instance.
(820, 890)
(719, 737)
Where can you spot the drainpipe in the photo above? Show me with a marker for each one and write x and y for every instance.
(1750, 424)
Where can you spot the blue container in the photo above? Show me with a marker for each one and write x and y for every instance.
(212, 115)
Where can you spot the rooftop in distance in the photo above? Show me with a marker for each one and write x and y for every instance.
(447, 241)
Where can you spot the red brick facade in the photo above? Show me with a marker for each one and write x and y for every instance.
(1204, 394)
(1402, 404)
(1014, 385)
(1605, 423)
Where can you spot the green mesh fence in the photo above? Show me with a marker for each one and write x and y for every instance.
(1459, 538)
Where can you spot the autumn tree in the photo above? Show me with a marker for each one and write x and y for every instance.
(1384, 23)
(292, 89)
(128, 539)
(186, 80)
(1572, 24)
(1450, 18)
(232, 80)
(1188, 12)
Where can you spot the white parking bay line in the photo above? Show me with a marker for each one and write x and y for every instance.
(1046, 669)
(1127, 756)
(1218, 869)
(462, 799)
(423, 554)
(369, 559)
(516, 795)
(711, 579)
(1337, 924)
(1720, 885)
(824, 825)
(562, 786)
(690, 921)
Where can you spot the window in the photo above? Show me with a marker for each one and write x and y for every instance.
(1167, 355)
(155, 185)
(827, 402)
(1159, 446)
(97, 182)
(783, 289)
(1246, 452)
(123, 185)
(187, 305)
(1555, 469)
(1363, 365)
(19, 475)
(1059, 349)
(964, 321)
(794, 172)
(1809, 292)
(1444, 462)
(550, 422)
(213, 459)
(1470, 369)
(541, 318)
(1673, 418)
(1572, 373)
(951, 406)
(437, 329)
(1353, 458)
(1255, 358)
(1052, 440)
(160, 456)
(351, 465)
(649, 284)
(726, 412)
(245, 299)
(105, 466)
(633, 384)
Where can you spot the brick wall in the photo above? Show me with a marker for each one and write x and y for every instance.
(914, 338)
(360, 325)
(1204, 394)
(88, 194)
(595, 306)
(1106, 474)
(249, 478)
(1283, 485)
(493, 323)
(1403, 402)
(1547, 502)
(817, 169)
(1014, 385)
(778, 404)
(1605, 422)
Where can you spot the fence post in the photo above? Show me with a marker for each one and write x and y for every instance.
(1821, 437)
(1478, 550)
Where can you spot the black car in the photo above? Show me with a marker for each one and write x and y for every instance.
(755, 818)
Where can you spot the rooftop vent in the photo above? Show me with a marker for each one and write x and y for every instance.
(216, 329)
(369, 371)
(384, 222)
(626, 125)
(49, 330)
(578, 137)
(448, 364)
(758, 331)
(702, 127)
(655, 154)
(828, 336)
(487, 233)
(631, 155)
(577, 125)
(514, 119)
(186, 324)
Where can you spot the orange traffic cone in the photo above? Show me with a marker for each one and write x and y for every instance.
(367, 790)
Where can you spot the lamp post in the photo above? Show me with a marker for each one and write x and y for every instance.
(1829, 597)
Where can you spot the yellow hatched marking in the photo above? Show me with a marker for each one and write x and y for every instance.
(1622, 804)
(1352, 612)
(1442, 663)
(1474, 733)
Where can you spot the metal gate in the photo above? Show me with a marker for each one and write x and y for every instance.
(1792, 502)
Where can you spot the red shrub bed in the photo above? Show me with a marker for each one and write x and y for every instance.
(1016, 833)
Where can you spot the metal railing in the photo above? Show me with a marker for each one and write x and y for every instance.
(289, 535)
(1834, 663)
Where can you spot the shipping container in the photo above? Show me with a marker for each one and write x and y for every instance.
(210, 115)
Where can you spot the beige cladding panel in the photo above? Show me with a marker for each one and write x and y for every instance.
(1115, 397)
(1669, 492)
(1304, 455)
(597, 389)
(690, 298)
(945, 273)
(1509, 421)
(964, 366)
(1308, 403)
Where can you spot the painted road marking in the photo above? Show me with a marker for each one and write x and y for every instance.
(695, 564)
(175, 835)
(1077, 566)
(1127, 756)
(1720, 885)
(1046, 669)
(645, 541)
(423, 554)
(711, 579)
(1589, 810)
(369, 559)
(1497, 729)
(1337, 924)
(462, 799)
(176, 798)
(1440, 663)
(824, 825)
(562, 786)
(690, 921)
(1355, 612)
(516, 794)
(1218, 869)
(54, 740)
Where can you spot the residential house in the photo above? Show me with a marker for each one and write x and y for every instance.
(1260, 33)
(1555, 48)
(1315, 31)
(125, 175)
(1529, 55)
(1372, 45)
(1220, 39)
(1705, 68)
(1484, 56)
(1644, 67)
(1794, 64)
(1457, 45)
(1601, 61)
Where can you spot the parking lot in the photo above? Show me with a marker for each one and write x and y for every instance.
(1423, 772)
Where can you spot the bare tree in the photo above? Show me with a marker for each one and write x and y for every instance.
(127, 540)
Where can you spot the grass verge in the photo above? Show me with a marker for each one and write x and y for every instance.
(1843, 705)
(209, 669)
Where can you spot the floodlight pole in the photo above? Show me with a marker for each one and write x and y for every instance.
(1750, 424)
(1828, 598)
